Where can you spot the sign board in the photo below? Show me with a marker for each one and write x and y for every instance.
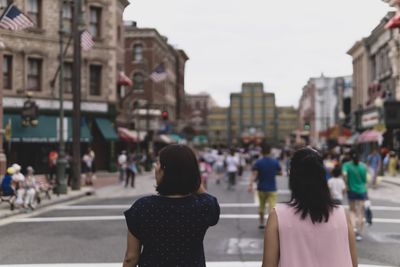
(370, 118)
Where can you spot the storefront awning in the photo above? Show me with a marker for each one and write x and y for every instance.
(130, 135)
(124, 80)
(370, 136)
(45, 132)
(107, 129)
(394, 22)
(176, 138)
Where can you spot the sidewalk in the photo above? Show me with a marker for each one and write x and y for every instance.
(106, 185)
(392, 180)
(388, 189)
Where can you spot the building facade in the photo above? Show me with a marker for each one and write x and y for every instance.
(324, 104)
(31, 62)
(252, 116)
(145, 50)
(218, 126)
(287, 123)
(197, 109)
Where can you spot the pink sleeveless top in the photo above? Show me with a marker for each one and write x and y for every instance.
(303, 243)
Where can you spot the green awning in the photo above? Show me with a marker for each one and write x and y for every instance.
(45, 132)
(107, 129)
(86, 136)
(200, 139)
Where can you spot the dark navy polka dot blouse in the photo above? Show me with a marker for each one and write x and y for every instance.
(171, 230)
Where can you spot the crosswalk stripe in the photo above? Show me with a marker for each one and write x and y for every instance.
(209, 264)
(114, 218)
(222, 205)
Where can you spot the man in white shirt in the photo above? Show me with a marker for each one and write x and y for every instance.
(122, 165)
(337, 186)
(232, 164)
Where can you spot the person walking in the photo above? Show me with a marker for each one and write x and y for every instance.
(264, 173)
(30, 187)
(219, 166)
(168, 229)
(122, 165)
(374, 162)
(337, 185)
(232, 164)
(131, 171)
(309, 230)
(355, 174)
(392, 164)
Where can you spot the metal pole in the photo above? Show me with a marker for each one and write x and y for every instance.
(61, 161)
(76, 84)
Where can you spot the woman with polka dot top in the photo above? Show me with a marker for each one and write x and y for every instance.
(168, 229)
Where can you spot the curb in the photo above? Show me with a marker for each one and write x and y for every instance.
(390, 182)
(82, 194)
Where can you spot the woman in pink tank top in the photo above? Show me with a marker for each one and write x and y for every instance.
(309, 230)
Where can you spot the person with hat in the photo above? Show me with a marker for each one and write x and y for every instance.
(7, 186)
(19, 179)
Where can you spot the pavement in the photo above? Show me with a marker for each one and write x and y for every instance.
(91, 231)
(105, 184)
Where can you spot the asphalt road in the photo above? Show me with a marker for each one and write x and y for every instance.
(93, 231)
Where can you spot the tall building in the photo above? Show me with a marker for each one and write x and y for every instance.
(324, 104)
(30, 64)
(197, 109)
(145, 50)
(218, 126)
(287, 123)
(252, 115)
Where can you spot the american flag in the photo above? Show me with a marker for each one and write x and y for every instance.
(86, 40)
(159, 74)
(13, 19)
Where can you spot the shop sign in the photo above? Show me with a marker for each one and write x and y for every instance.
(370, 119)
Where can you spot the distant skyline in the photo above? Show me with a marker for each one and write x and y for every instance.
(277, 43)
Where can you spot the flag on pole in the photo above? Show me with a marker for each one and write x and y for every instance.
(159, 74)
(86, 40)
(13, 19)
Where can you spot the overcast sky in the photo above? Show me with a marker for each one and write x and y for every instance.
(278, 42)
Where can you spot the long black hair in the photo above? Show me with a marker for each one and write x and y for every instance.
(310, 192)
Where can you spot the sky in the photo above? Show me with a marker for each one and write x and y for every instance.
(281, 43)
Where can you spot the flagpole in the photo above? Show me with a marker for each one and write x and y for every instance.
(61, 161)
(76, 89)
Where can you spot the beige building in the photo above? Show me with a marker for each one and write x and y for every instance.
(252, 116)
(287, 123)
(31, 60)
(218, 126)
(359, 53)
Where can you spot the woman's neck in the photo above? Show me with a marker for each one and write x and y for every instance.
(176, 196)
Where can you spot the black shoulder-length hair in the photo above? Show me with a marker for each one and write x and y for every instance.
(310, 191)
(181, 171)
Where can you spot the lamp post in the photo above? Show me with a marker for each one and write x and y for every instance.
(61, 161)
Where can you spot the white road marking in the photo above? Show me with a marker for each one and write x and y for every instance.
(222, 205)
(115, 218)
(209, 264)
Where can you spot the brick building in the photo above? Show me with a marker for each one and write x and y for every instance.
(287, 123)
(145, 50)
(218, 126)
(31, 60)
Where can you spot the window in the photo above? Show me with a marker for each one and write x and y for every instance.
(34, 74)
(138, 52)
(95, 21)
(68, 78)
(67, 16)
(3, 4)
(138, 81)
(34, 7)
(95, 80)
(7, 72)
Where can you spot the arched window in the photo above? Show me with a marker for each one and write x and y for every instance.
(138, 52)
(138, 81)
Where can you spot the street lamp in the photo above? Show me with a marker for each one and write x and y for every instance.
(61, 161)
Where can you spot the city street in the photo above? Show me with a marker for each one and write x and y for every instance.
(92, 230)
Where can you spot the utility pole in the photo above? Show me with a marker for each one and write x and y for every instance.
(61, 161)
(76, 88)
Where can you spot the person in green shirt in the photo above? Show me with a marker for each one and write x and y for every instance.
(355, 174)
